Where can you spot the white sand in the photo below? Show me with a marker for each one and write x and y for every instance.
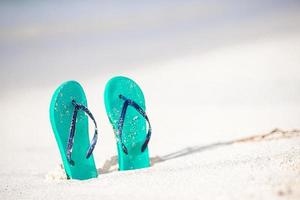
(200, 104)
(201, 168)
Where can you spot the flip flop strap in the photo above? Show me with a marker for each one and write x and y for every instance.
(73, 128)
(129, 102)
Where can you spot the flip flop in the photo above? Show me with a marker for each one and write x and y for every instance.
(68, 110)
(125, 107)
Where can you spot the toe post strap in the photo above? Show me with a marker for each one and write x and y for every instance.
(130, 102)
(78, 107)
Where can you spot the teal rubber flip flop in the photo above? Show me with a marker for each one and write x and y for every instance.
(68, 117)
(125, 107)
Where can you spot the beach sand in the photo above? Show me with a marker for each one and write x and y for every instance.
(225, 114)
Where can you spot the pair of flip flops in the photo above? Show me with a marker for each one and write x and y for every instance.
(125, 107)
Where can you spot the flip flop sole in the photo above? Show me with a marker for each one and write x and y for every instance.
(134, 129)
(61, 111)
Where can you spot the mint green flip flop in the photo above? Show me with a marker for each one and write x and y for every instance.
(125, 107)
(68, 110)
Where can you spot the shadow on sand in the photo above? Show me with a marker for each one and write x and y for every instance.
(112, 164)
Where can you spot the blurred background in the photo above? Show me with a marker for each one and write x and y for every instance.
(210, 70)
(42, 43)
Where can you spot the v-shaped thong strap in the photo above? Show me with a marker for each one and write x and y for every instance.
(72, 131)
(129, 102)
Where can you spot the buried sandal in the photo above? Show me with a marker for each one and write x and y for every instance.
(125, 107)
(68, 110)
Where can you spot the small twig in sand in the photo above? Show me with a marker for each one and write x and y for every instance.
(274, 134)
